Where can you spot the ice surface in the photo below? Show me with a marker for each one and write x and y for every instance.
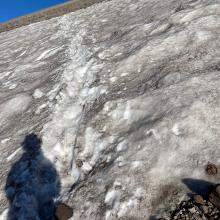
(125, 96)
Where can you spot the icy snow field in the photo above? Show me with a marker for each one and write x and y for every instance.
(126, 97)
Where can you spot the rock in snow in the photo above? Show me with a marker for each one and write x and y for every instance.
(126, 97)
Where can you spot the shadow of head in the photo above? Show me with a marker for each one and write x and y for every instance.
(31, 143)
(200, 187)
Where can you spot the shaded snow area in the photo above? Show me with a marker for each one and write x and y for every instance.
(125, 96)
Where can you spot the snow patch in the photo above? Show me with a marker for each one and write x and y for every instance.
(5, 74)
(16, 105)
(94, 145)
(136, 164)
(154, 133)
(4, 214)
(39, 109)
(203, 36)
(139, 193)
(86, 167)
(12, 86)
(22, 53)
(48, 53)
(122, 146)
(112, 198)
(38, 94)
(4, 141)
(175, 129)
(113, 79)
(127, 206)
(9, 158)
(132, 202)
(121, 161)
(165, 168)
(160, 29)
(124, 74)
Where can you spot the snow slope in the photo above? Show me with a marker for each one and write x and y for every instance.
(125, 95)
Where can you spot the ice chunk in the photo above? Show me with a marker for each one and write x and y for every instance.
(38, 94)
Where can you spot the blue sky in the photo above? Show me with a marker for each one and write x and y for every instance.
(13, 8)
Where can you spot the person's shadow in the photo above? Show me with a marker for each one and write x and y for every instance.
(32, 184)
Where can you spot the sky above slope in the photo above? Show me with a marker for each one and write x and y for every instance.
(13, 8)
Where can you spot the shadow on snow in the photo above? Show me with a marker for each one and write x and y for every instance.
(32, 184)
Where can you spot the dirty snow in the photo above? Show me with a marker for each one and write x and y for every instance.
(126, 102)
